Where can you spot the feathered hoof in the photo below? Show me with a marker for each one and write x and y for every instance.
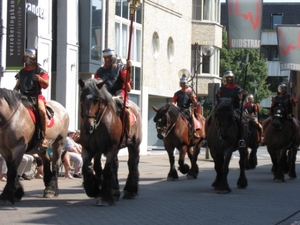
(223, 191)
(191, 177)
(101, 202)
(279, 180)
(5, 202)
(49, 194)
(171, 179)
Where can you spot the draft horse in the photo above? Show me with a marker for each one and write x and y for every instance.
(19, 135)
(222, 132)
(101, 134)
(281, 136)
(173, 128)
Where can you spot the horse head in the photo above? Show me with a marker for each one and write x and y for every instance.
(165, 119)
(224, 117)
(279, 114)
(94, 100)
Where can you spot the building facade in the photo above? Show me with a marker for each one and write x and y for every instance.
(273, 14)
(71, 35)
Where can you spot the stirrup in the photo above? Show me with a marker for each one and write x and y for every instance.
(242, 143)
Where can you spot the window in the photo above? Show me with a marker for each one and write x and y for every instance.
(122, 32)
(155, 45)
(96, 30)
(170, 50)
(206, 10)
(269, 52)
(276, 20)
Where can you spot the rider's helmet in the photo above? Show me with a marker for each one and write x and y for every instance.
(110, 53)
(282, 87)
(227, 74)
(250, 97)
(183, 79)
(29, 56)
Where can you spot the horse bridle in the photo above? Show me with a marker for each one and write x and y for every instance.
(97, 117)
(167, 129)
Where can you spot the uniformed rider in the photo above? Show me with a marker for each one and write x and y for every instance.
(236, 93)
(31, 79)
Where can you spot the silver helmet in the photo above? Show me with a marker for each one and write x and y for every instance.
(282, 85)
(108, 52)
(250, 96)
(228, 73)
(31, 53)
(183, 79)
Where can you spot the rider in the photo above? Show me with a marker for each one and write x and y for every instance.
(184, 98)
(250, 108)
(288, 100)
(235, 92)
(115, 74)
(30, 81)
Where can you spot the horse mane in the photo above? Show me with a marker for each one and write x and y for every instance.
(91, 87)
(224, 103)
(174, 111)
(11, 97)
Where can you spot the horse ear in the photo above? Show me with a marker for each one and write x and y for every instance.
(154, 108)
(101, 84)
(81, 83)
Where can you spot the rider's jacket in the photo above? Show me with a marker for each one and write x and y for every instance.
(230, 91)
(112, 76)
(250, 108)
(28, 85)
(287, 100)
(183, 99)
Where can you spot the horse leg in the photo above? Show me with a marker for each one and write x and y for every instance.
(91, 182)
(172, 175)
(224, 187)
(242, 181)
(193, 172)
(218, 161)
(108, 179)
(292, 159)
(281, 161)
(51, 177)
(183, 168)
(253, 157)
(132, 182)
(116, 186)
(13, 190)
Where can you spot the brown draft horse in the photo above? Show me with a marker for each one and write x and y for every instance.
(254, 132)
(281, 137)
(18, 135)
(173, 127)
(222, 139)
(101, 134)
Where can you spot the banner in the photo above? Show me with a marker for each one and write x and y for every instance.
(244, 23)
(15, 39)
(288, 37)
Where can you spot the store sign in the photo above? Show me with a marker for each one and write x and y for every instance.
(15, 38)
(36, 10)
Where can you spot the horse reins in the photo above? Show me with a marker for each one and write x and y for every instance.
(167, 127)
(97, 118)
(11, 117)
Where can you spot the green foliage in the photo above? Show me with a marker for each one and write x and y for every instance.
(257, 72)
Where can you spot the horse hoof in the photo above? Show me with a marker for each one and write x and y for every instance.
(129, 195)
(191, 177)
(171, 179)
(5, 202)
(49, 194)
(102, 203)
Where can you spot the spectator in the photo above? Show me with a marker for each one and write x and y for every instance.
(40, 166)
(25, 167)
(3, 169)
(74, 150)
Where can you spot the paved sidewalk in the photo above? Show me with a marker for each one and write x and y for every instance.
(164, 202)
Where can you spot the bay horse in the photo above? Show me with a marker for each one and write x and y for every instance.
(222, 134)
(101, 134)
(173, 128)
(253, 140)
(18, 135)
(281, 136)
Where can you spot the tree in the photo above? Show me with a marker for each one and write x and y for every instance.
(257, 71)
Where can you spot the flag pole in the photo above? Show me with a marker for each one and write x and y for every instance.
(134, 4)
